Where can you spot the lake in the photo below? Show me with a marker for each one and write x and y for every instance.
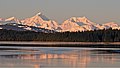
(58, 57)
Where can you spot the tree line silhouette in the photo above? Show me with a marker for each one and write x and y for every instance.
(108, 35)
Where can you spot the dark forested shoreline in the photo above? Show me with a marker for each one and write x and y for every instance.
(108, 35)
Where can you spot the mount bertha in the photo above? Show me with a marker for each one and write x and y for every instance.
(40, 23)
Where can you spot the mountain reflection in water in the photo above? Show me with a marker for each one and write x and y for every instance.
(58, 58)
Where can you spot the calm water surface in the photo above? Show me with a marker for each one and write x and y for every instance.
(31, 57)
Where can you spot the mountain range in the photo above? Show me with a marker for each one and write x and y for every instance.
(40, 23)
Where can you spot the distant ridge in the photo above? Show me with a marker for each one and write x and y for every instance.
(73, 24)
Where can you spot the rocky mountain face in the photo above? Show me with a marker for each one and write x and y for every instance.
(40, 21)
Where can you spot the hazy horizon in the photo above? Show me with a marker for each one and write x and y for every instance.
(98, 11)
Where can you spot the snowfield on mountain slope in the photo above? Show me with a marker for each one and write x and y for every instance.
(40, 20)
(73, 24)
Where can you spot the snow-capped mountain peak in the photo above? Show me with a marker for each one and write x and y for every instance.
(41, 21)
(73, 19)
(42, 16)
(81, 20)
(78, 24)
(72, 24)
(38, 14)
(10, 19)
(111, 24)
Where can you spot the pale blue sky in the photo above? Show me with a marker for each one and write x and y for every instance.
(99, 11)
